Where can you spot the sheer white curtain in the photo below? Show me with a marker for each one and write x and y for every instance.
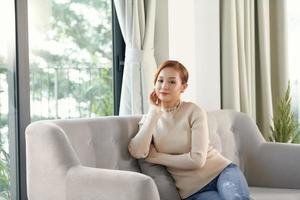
(253, 57)
(137, 22)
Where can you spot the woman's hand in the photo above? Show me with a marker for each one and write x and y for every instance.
(153, 154)
(154, 100)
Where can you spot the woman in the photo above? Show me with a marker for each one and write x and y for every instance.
(175, 134)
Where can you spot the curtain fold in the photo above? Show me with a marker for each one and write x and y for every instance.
(253, 57)
(137, 22)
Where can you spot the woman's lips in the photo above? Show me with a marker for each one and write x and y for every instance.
(164, 93)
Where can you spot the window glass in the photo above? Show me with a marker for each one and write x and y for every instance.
(7, 102)
(70, 55)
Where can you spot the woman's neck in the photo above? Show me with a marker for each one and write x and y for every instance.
(168, 105)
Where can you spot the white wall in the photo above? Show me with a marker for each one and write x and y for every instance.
(182, 39)
(207, 41)
(193, 39)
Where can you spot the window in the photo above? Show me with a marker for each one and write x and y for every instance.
(71, 58)
(293, 21)
(75, 70)
(8, 170)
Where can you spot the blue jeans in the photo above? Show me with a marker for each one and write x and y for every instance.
(230, 184)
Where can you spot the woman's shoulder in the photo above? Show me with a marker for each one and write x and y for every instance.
(193, 106)
(195, 113)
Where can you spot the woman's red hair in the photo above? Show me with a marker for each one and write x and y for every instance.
(184, 75)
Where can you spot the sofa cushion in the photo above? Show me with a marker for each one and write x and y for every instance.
(163, 180)
(262, 193)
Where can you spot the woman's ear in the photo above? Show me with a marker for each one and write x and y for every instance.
(184, 86)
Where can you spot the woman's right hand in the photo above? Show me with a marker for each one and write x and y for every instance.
(154, 100)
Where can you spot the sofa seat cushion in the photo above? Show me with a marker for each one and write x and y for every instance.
(262, 193)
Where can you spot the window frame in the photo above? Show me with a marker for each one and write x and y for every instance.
(118, 59)
(22, 96)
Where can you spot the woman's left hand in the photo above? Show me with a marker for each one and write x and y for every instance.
(152, 153)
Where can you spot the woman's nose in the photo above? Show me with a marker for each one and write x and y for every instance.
(165, 85)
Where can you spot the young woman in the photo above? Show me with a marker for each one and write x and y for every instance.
(175, 134)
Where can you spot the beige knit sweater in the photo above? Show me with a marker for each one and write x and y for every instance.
(181, 139)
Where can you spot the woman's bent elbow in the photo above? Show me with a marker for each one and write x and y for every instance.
(137, 154)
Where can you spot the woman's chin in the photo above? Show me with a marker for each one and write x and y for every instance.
(165, 98)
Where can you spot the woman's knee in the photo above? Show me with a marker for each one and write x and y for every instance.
(232, 184)
(232, 191)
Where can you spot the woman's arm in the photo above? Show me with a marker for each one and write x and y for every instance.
(196, 158)
(140, 144)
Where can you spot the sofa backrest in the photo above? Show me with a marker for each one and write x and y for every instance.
(102, 142)
(222, 136)
(235, 135)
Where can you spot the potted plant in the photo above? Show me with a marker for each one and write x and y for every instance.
(285, 127)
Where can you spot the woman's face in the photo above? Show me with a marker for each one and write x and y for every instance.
(168, 86)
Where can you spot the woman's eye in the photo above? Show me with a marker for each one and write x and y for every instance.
(173, 82)
(160, 81)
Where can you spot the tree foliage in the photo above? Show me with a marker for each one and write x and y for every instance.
(87, 50)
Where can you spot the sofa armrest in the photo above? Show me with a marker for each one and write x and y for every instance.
(275, 165)
(49, 156)
(85, 183)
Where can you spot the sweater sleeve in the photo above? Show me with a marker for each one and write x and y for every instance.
(196, 158)
(139, 145)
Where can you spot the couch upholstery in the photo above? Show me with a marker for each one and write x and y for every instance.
(87, 159)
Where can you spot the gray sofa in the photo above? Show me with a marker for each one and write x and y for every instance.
(87, 159)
